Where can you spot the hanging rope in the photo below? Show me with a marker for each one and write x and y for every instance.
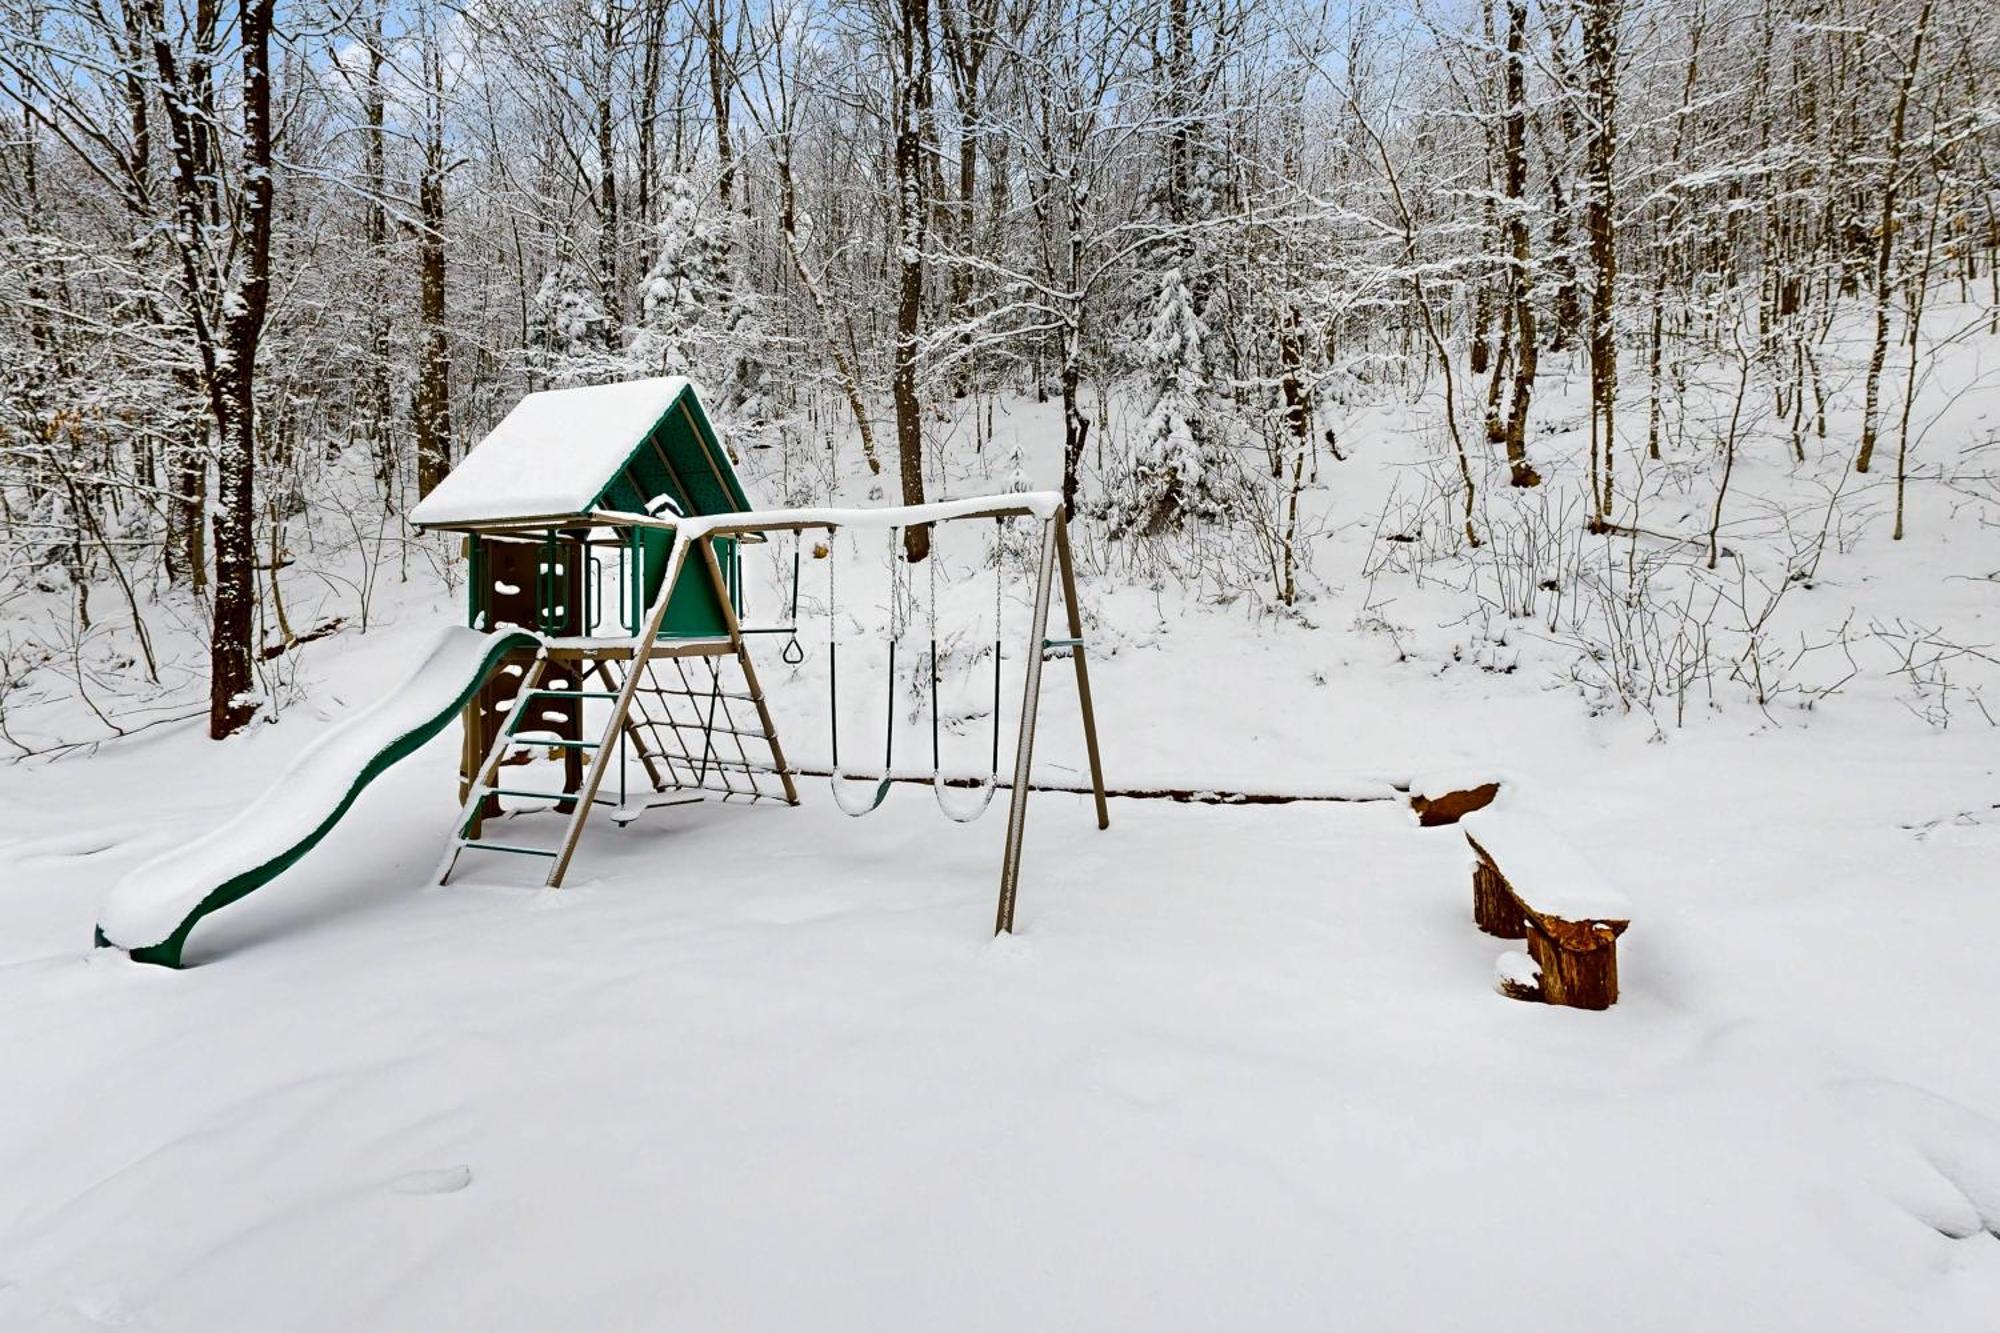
(983, 794)
(840, 776)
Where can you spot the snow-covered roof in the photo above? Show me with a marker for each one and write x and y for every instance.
(553, 454)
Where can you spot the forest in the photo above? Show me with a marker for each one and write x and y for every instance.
(998, 665)
(270, 269)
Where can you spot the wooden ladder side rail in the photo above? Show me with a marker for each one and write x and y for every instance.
(735, 629)
(621, 708)
(1075, 610)
(489, 768)
(1024, 740)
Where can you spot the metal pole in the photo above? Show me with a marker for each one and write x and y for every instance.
(1082, 671)
(1024, 746)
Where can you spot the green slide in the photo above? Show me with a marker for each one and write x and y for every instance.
(155, 907)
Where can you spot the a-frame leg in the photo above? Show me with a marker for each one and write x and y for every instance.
(1055, 554)
(1024, 742)
(749, 671)
(621, 708)
(1075, 610)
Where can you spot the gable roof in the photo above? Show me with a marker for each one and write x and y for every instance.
(559, 451)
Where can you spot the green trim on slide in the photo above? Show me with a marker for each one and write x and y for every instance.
(167, 953)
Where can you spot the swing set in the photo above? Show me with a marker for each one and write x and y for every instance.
(657, 665)
(983, 790)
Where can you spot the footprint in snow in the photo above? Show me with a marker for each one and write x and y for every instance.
(1950, 1178)
(444, 1180)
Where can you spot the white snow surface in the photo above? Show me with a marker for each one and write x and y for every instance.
(1539, 857)
(1515, 967)
(760, 1068)
(151, 900)
(553, 454)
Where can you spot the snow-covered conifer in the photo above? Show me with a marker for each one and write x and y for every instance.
(1179, 471)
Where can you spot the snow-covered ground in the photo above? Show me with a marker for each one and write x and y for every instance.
(1242, 1067)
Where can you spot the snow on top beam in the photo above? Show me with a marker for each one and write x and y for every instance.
(1039, 504)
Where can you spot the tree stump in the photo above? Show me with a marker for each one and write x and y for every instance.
(1578, 960)
(1569, 917)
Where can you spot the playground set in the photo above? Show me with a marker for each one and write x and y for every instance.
(605, 530)
(604, 533)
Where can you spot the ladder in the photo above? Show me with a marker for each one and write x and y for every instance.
(693, 731)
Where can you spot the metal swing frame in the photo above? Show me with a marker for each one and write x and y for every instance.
(694, 539)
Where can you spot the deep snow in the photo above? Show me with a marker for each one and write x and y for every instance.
(1242, 1067)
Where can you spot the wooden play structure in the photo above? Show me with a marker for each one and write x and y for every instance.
(604, 533)
(611, 523)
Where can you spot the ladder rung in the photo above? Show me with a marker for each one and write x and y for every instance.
(557, 796)
(725, 765)
(556, 744)
(704, 695)
(694, 648)
(505, 847)
(576, 694)
(1048, 644)
(670, 725)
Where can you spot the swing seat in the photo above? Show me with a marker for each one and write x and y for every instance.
(964, 814)
(840, 781)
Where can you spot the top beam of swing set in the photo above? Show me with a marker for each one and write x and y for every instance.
(1042, 505)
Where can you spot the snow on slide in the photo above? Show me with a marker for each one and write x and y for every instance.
(151, 911)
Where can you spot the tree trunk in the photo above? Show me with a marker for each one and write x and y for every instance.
(718, 100)
(378, 389)
(231, 703)
(1885, 243)
(433, 393)
(1600, 63)
(609, 275)
(1514, 177)
(912, 214)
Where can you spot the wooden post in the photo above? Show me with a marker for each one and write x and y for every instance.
(1024, 744)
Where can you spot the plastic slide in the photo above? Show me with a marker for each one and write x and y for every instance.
(154, 908)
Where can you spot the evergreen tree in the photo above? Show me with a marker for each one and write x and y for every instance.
(699, 317)
(573, 340)
(1180, 470)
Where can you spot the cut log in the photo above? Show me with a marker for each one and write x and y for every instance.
(1544, 894)
(1578, 960)
(1494, 906)
(1448, 807)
